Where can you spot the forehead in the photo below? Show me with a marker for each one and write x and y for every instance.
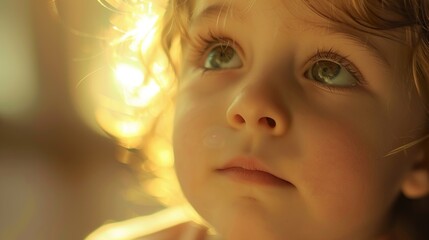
(242, 9)
(362, 15)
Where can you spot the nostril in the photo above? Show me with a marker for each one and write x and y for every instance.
(239, 119)
(267, 121)
(271, 122)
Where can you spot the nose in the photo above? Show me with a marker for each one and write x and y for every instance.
(257, 109)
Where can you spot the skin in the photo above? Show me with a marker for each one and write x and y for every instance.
(329, 142)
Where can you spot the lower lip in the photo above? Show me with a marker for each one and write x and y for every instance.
(252, 176)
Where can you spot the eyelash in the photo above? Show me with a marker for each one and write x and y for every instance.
(343, 60)
(203, 43)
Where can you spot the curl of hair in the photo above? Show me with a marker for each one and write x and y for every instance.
(175, 20)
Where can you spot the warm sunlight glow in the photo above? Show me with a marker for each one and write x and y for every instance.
(143, 33)
(161, 150)
(135, 90)
(141, 226)
(144, 94)
(133, 104)
(133, 97)
(147, 37)
(128, 77)
(142, 77)
(127, 129)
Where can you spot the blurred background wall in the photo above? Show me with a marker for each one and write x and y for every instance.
(58, 178)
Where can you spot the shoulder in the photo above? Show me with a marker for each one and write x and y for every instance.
(169, 224)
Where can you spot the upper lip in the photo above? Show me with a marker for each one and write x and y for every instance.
(248, 163)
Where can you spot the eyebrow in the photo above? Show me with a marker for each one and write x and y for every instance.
(214, 11)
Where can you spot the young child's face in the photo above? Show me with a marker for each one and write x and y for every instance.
(284, 119)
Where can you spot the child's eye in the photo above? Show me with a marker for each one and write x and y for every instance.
(222, 56)
(332, 70)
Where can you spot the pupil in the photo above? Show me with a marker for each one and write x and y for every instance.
(226, 54)
(326, 70)
(221, 55)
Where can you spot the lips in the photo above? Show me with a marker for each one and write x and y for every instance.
(250, 170)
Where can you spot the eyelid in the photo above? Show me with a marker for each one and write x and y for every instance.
(203, 42)
(223, 43)
(212, 41)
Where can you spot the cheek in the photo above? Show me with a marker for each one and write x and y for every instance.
(192, 140)
(334, 180)
(186, 125)
(344, 175)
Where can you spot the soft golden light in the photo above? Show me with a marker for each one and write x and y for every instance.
(141, 88)
(135, 90)
(143, 79)
(128, 77)
(141, 226)
(161, 151)
(145, 27)
(127, 129)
